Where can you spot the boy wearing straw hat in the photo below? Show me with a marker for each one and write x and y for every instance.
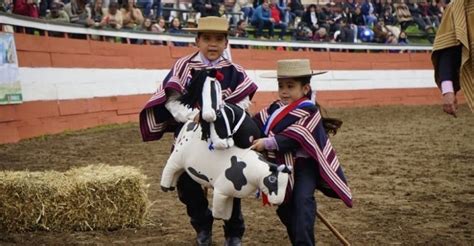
(296, 134)
(164, 112)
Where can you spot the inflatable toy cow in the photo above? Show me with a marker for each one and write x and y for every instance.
(232, 172)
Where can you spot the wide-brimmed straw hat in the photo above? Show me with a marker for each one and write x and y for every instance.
(291, 69)
(212, 24)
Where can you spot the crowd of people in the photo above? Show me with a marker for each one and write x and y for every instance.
(348, 21)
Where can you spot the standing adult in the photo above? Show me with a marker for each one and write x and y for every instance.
(453, 53)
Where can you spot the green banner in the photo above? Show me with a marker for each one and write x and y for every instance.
(10, 88)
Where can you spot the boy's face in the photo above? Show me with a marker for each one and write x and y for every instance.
(212, 45)
(290, 90)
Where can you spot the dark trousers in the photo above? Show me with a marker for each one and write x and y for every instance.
(260, 25)
(192, 195)
(299, 214)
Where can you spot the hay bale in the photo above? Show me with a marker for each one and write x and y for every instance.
(96, 197)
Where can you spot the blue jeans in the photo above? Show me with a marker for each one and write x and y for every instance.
(145, 5)
(299, 214)
(248, 12)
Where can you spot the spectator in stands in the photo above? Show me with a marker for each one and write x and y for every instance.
(347, 14)
(145, 5)
(26, 7)
(240, 32)
(57, 13)
(191, 23)
(403, 14)
(323, 17)
(278, 15)
(310, 19)
(262, 19)
(382, 34)
(98, 11)
(176, 28)
(44, 6)
(333, 19)
(131, 15)
(157, 8)
(416, 13)
(79, 12)
(388, 6)
(296, 8)
(453, 54)
(321, 35)
(367, 10)
(207, 7)
(350, 4)
(358, 22)
(391, 23)
(378, 8)
(358, 18)
(345, 34)
(113, 19)
(6, 6)
(246, 7)
(402, 38)
(435, 13)
(149, 26)
(303, 32)
(159, 27)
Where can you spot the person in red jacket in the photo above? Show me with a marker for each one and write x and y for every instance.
(26, 8)
(277, 12)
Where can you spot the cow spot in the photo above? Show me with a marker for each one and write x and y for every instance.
(191, 126)
(271, 182)
(195, 173)
(235, 173)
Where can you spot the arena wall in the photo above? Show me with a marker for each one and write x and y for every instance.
(70, 84)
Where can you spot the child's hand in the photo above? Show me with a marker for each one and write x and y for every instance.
(258, 145)
(196, 118)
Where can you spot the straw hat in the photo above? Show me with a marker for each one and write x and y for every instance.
(292, 68)
(211, 24)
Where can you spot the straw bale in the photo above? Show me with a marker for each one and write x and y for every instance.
(96, 197)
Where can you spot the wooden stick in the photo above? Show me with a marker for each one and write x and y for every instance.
(333, 229)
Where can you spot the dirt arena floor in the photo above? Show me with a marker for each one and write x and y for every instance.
(411, 170)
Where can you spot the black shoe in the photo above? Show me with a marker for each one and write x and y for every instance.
(233, 241)
(204, 238)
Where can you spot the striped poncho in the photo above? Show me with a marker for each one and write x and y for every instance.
(155, 119)
(304, 125)
(457, 28)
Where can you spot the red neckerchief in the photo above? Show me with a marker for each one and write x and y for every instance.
(285, 112)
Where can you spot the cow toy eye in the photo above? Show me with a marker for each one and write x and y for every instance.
(272, 179)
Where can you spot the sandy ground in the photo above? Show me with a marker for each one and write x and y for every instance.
(411, 170)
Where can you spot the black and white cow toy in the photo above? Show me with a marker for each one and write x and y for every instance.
(232, 172)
